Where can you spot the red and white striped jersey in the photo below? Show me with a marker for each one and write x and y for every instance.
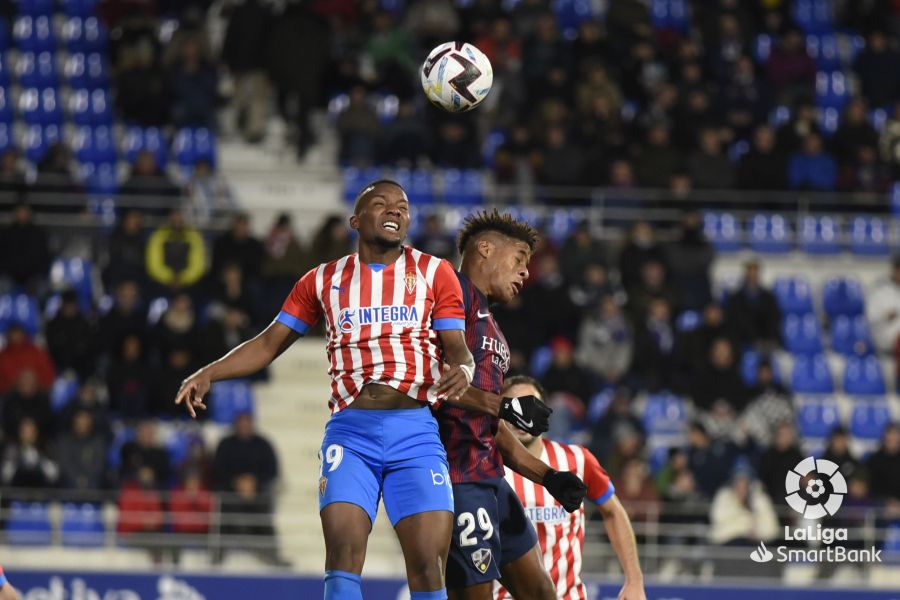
(381, 321)
(561, 534)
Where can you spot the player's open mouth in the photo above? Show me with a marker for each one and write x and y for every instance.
(517, 287)
(391, 226)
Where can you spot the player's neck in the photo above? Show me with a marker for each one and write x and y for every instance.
(470, 269)
(376, 254)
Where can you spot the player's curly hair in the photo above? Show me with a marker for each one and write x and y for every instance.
(503, 224)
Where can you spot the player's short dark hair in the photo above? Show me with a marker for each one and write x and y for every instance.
(503, 224)
(369, 186)
(525, 380)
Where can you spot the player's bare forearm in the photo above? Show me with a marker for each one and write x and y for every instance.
(246, 359)
(621, 537)
(517, 457)
(460, 366)
(479, 401)
(8, 592)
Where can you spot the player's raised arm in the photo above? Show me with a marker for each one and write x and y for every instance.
(449, 320)
(300, 311)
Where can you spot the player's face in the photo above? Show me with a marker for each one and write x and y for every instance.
(515, 391)
(383, 216)
(510, 269)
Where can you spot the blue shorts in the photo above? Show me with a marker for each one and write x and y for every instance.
(490, 529)
(394, 453)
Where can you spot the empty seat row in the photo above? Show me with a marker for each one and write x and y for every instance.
(39, 34)
(840, 296)
(72, 8)
(774, 234)
(818, 417)
(862, 375)
(45, 107)
(42, 70)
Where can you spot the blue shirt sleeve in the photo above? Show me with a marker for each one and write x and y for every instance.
(448, 323)
(293, 322)
(609, 494)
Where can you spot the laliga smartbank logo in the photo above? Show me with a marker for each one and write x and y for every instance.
(815, 489)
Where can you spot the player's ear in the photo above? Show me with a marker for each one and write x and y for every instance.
(354, 222)
(485, 247)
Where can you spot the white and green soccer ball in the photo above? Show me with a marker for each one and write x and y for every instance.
(457, 76)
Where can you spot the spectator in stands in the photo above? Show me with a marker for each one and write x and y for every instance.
(127, 247)
(658, 160)
(247, 513)
(564, 374)
(176, 254)
(746, 98)
(790, 70)
(191, 505)
(638, 495)
(231, 290)
(26, 463)
(581, 250)
(804, 121)
(81, 453)
(884, 464)
(546, 299)
(770, 405)
(889, 142)
(640, 248)
(54, 180)
(585, 294)
(813, 168)
(130, 379)
(605, 342)
(141, 511)
(358, 128)
(141, 91)
(754, 311)
(285, 260)
(238, 246)
(150, 182)
(177, 365)
(193, 85)
(883, 311)
(177, 328)
(653, 285)
(866, 177)
(244, 453)
(710, 460)
(598, 84)
(228, 326)
(618, 418)
(12, 177)
(404, 140)
(331, 241)
(720, 379)
(26, 401)
(454, 143)
(124, 318)
(71, 338)
(709, 166)
(434, 238)
(560, 162)
(762, 168)
(653, 367)
(432, 22)
(853, 133)
(838, 451)
(209, 197)
(21, 354)
(244, 53)
(90, 398)
(690, 258)
(24, 250)
(692, 347)
(742, 513)
(145, 452)
(878, 69)
(516, 159)
(778, 459)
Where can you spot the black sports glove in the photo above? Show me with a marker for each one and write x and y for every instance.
(566, 487)
(527, 413)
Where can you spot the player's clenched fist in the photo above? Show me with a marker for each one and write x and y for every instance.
(566, 487)
(527, 413)
(192, 391)
(454, 382)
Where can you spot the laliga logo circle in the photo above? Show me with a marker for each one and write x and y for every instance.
(345, 320)
(821, 470)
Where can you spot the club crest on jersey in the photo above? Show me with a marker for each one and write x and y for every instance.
(410, 279)
(323, 481)
(345, 320)
(481, 558)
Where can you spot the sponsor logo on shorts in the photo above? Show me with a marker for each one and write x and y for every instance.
(481, 558)
(323, 481)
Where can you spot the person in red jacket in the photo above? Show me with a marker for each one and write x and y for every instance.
(140, 505)
(191, 505)
(22, 353)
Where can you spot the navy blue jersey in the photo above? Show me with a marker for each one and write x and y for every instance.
(468, 436)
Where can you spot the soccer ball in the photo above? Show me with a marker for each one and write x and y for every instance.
(457, 76)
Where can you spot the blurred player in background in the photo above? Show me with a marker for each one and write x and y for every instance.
(385, 307)
(492, 537)
(561, 534)
(7, 592)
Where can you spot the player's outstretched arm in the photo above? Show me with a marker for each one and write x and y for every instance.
(621, 536)
(244, 360)
(7, 592)
(566, 487)
(460, 368)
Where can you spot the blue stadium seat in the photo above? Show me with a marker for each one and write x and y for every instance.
(178, 445)
(4, 66)
(21, 309)
(869, 418)
(561, 222)
(843, 296)
(723, 230)
(689, 320)
(152, 139)
(38, 138)
(812, 375)
(84, 35)
(229, 399)
(793, 295)
(463, 187)
(762, 48)
(121, 436)
(665, 414)
(81, 525)
(670, 14)
(823, 48)
(7, 114)
(64, 390)
(6, 136)
(28, 524)
(94, 145)
(100, 179)
(869, 236)
(571, 13)
(338, 104)
(540, 361)
(892, 543)
(851, 336)
(386, 107)
(750, 361)
(78, 8)
(819, 235)
(191, 145)
(77, 274)
(801, 334)
(37, 70)
(418, 183)
(86, 71)
(770, 234)
(356, 179)
(36, 8)
(817, 417)
(878, 117)
(34, 34)
(814, 16)
(832, 89)
(862, 376)
(829, 119)
(40, 107)
(90, 107)
(492, 142)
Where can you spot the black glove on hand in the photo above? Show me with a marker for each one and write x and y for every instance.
(566, 487)
(527, 413)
